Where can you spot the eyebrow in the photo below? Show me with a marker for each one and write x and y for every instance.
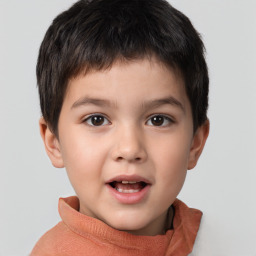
(159, 102)
(146, 105)
(87, 101)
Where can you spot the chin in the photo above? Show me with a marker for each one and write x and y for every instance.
(132, 226)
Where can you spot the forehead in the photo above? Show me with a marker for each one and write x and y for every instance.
(129, 81)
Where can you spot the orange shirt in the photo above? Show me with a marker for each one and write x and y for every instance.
(80, 235)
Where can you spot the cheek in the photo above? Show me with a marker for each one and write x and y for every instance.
(82, 155)
(172, 161)
(172, 174)
(175, 159)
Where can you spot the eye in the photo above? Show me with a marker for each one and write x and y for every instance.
(159, 120)
(96, 120)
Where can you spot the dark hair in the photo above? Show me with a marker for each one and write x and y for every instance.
(93, 34)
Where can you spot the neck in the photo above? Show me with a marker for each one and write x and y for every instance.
(158, 227)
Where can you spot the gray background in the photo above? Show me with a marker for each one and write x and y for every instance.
(223, 183)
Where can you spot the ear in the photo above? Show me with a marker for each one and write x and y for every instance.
(198, 143)
(51, 143)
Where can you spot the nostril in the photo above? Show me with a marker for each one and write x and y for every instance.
(137, 159)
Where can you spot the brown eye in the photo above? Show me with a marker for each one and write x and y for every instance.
(159, 120)
(96, 120)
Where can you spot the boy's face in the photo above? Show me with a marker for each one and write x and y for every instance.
(131, 123)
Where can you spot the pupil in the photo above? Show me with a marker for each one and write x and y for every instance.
(97, 120)
(158, 120)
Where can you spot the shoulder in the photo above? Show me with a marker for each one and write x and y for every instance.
(186, 224)
(50, 243)
(201, 241)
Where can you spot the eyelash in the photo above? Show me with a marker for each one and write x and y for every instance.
(89, 119)
(167, 119)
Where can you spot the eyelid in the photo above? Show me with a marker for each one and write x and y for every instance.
(165, 116)
(88, 117)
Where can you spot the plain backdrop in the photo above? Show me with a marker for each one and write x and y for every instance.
(223, 183)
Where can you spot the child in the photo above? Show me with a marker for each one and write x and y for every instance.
(123, 89)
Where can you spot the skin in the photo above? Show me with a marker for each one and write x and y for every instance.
(126, 141)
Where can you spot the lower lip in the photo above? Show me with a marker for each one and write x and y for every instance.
(129, 198)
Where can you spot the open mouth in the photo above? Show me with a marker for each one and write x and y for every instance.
(131, 189)
(128, 186)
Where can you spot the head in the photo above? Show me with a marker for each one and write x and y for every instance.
(92, 35)
(124, 93)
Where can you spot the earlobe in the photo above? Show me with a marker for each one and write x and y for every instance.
(51, 144)
(198, 143)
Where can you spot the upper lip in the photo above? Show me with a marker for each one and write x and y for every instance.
(136, 178)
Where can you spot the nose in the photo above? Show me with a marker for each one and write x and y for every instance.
(129, 145)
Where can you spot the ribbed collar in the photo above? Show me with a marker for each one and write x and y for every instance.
(179, 241)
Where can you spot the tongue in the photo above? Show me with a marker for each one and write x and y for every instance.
(136, 186)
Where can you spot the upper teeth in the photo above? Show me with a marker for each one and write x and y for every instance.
(128, 182)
